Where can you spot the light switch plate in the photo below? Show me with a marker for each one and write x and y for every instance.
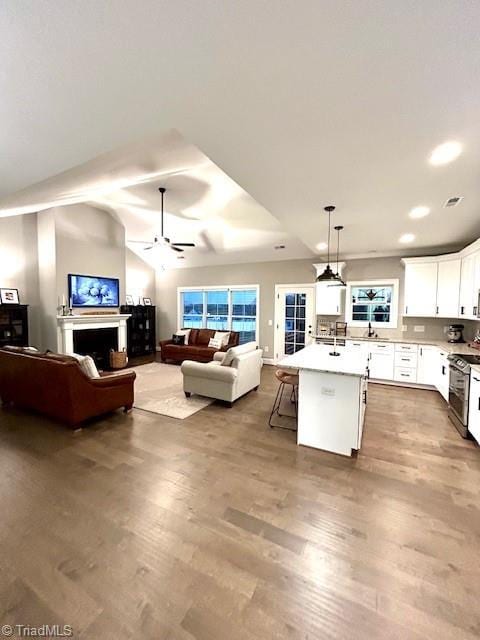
(404, 328)
(265, 348)
(419, 328)
(270, 323)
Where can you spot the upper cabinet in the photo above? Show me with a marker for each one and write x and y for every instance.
(467, 300)
(329, 298)
(420, 288)
(432, 286)
(448, 288)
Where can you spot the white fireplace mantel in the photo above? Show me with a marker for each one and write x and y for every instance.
(66, 325)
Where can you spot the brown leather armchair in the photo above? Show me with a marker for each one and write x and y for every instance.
(197, 348)
(55, 386)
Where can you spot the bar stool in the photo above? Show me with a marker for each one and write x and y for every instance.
(285, 378)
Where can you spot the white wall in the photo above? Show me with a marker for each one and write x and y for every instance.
(140, 278)
(18, 265)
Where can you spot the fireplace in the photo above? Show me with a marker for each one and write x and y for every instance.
(96, 343)
(92, 338)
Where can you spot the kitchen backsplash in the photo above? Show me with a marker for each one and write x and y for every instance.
(433, 328)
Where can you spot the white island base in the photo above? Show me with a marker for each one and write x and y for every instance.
(332, 397)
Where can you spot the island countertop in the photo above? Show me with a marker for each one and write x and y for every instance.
(316, 358)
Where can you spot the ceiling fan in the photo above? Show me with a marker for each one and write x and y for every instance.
(162, 240)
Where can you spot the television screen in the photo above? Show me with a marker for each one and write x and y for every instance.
(93, 291)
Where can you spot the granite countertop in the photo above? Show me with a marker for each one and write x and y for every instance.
(449, 347)
(314, 358)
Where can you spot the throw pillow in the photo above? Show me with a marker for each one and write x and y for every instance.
(214, 343)
(178, 339)
(223, 336)
(233, 352)
(184, 332)
(87, 365)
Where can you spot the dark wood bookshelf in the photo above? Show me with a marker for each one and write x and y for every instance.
(141, 332)
(14, 325)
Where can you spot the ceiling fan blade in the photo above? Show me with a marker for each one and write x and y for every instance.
(148, 248)
(176, 248)
(183, 244)
(139, 241)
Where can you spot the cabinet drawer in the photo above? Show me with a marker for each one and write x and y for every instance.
(406, 348)
(381, 347)
(403, 374)
(405, 359)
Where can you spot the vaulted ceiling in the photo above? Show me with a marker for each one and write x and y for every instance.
(297, 104)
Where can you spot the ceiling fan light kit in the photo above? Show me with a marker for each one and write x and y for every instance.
(163, 241)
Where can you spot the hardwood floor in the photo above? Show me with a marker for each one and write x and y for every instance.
(217, 527)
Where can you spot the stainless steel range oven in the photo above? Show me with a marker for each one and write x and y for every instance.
(459, 390)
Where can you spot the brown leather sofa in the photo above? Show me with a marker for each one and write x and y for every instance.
(197, 348)
(55, 386)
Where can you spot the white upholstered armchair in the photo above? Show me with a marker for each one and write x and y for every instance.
(230, 375)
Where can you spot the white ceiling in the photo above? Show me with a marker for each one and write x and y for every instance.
(302, 103)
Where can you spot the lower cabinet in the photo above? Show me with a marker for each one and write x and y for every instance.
(443, 373)
(427, 365)
(382, 361)
(474, 405)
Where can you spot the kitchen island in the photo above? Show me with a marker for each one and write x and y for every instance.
(332, 397)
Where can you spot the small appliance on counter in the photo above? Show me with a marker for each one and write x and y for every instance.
(454, 333)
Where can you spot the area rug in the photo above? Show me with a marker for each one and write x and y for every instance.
(159, 389)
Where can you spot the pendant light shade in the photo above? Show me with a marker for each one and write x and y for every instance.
(328, 276)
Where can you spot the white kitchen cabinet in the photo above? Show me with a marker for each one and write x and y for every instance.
(448, 288)
(443, 373)
(362, 409)
(329, 300)
(467, 287)
(428, 365)
(381, 364)
(474, 405)
(421, 289)
(476, 285)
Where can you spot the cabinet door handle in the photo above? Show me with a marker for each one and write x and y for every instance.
(443, 369)
(475, 311)
(479, 404)
(476, 379)
(437, 311)
(462, 310)
(421, 351)
(405, 359)
(405, 375)
(406, 309)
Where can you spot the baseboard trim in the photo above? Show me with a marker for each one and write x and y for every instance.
(395, 383)
(270, 361)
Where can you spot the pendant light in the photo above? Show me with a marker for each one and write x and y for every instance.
(328, 275)
(340, 282)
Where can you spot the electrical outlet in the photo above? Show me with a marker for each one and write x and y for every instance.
(270, 323)
(419, 328)
(265, 348)
(404, 328)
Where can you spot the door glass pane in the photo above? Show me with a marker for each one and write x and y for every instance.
(294, 321)
(217, 310)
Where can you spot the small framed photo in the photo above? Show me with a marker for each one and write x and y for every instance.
(147, 302)
(9, 296)
(129, 299)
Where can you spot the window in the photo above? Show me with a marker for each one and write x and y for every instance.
(372, 301)
(223, 309)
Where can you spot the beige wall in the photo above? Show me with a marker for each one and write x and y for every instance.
(268, 274)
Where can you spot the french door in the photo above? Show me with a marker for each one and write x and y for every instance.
(294, 318)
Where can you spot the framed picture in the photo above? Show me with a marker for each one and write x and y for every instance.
(147, 302)
(129, 299)
(9, 296)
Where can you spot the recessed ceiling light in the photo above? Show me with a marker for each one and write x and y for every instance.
(406, 238)
(321, 246)
(279, 246)
(445, 153)
(419, 212)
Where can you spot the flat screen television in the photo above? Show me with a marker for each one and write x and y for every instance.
(93, 291)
